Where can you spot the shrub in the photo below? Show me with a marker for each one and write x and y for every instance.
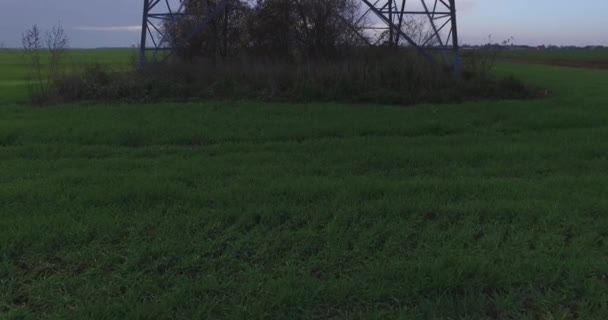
(375, 75)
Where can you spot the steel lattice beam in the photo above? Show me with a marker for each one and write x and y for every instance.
(389, 24)
(390, 21)
(154, 45)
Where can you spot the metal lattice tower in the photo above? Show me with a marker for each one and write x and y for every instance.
(393, 23)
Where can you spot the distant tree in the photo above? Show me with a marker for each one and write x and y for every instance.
(324, 27)
(271, 27)
(307, 27)
(222, 37)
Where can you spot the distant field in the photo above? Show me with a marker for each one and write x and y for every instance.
(591, 59)
(565, 54)
(480, 210)
(15, 71)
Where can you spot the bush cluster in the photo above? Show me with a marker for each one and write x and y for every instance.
(375, 76)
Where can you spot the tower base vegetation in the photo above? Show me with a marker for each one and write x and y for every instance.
(387, 51)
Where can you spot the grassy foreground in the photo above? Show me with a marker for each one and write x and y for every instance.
(486, 210)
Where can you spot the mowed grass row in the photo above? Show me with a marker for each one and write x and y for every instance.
(250, 210)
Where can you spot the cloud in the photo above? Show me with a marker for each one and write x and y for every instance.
(110, 28)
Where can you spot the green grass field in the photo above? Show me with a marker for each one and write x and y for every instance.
(236, 210)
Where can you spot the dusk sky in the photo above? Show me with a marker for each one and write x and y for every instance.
(113, 23)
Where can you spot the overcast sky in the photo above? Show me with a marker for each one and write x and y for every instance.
(113, 23)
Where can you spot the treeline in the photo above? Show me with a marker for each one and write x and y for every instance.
(277, 28)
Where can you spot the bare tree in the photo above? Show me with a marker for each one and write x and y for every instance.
(418, 29)
(269, 27)
(323, 27)
(306, 27)
(31, 41)
(222, 37)
(57, 44)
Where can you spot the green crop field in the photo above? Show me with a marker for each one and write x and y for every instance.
(239, 210)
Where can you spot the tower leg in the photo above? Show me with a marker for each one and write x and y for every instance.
(144, 36)
(455, 44)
